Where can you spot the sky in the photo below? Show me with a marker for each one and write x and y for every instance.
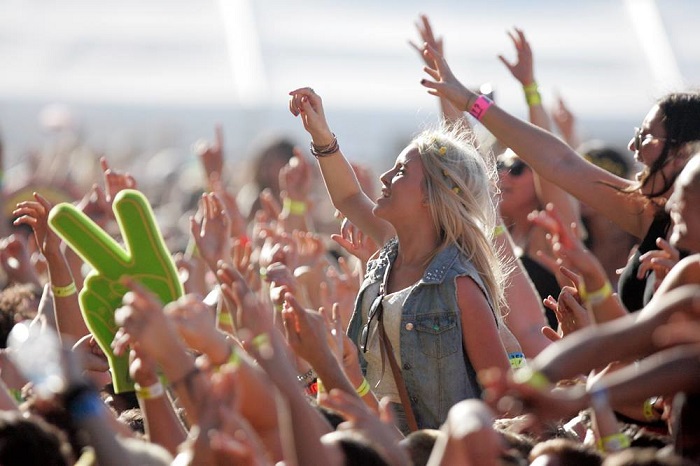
(140, 75)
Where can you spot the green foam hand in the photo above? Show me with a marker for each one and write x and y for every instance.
(144, 258)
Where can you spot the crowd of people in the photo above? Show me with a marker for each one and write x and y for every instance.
(467, 312)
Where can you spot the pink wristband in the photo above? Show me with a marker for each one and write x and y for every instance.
(480, 106)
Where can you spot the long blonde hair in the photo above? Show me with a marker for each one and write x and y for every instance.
(460, 188)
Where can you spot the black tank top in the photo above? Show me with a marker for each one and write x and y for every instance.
(634, 293)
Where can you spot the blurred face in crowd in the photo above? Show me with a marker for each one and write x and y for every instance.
(515, 180)
(684, 210)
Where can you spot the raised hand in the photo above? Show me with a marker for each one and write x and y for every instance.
(359, 417)
(250, 312)
(211, 155)
(115, 181)
(94, 204)
(565, 121)
(522, 68)
(144, 258)
(660, 261)
(236, 219)
(355, 242)
(307, 332)
(425, 31)
(16, 261)
(35, 214)
(570, 313)
(196, 324)
(295, 177)
(444, 83)
(144, 325)
(304, 102)
(211, 231)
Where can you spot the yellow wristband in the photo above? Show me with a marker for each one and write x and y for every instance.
(148, 393)
(532, 94)
(650, 414)
(614, 442)
(535, 379)
(596, 297)
(294, 207)
(64, 291)
(363, 389)
(225, 318)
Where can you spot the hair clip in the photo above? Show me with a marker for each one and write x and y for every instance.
(442, 150)
(456, 190)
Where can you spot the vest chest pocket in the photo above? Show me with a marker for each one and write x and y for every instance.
(438, 334)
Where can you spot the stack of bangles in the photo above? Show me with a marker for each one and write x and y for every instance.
(309, 381)
(325, 151)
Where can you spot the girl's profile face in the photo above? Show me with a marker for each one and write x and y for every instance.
(648, 142)
(403, 189)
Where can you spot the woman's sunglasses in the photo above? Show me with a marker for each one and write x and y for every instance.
(639, 138)
(375, 310)
(515, 168)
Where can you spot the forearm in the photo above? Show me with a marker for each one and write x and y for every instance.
(294, 215)
(665, 373)
(596, 346)
(347, 196)
(189, 383)
(452, 114)
(162, 424)
(89, 414)
(307, 427)
(69, 318)
(599, 295)
(525, 315)
(339, 177)
(333, 376)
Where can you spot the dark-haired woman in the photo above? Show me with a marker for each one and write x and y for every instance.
(636, 206)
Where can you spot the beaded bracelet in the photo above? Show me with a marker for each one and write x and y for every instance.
(150, 392)
(310, 374)
(64, 291)
(325, 151)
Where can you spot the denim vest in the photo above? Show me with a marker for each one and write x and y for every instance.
(435, 367)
